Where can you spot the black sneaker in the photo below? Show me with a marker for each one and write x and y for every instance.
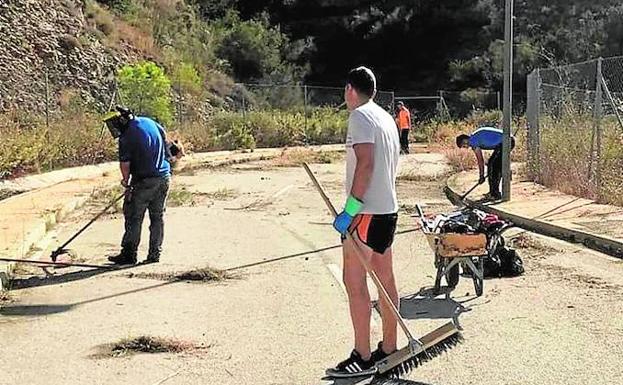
(379, 355)
(354, 366)
(152, 258)
(123, 258)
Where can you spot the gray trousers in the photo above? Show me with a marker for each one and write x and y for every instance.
(147, 194)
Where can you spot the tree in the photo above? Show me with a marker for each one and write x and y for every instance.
(252, 48)
(145, 88)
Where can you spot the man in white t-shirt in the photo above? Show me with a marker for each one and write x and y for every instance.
(370, 215)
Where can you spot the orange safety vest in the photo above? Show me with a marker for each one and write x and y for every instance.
(404, 119)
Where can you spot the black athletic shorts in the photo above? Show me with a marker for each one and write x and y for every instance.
(376, 230)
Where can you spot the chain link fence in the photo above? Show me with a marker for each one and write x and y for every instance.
(575, 126)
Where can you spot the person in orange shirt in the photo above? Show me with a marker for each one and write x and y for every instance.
(403, 120)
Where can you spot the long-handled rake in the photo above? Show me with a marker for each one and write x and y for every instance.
(62, 248)
(472, 189)
(417, 351)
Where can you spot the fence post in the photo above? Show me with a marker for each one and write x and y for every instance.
(530, 115)
(594, 164)
(537, 122)
(305, 105)
(47, 98)
(597, 128)
(499, 100)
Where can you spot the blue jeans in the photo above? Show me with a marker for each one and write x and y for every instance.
(147, 194)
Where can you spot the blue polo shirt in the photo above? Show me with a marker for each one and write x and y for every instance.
(143, 145)
(486, 138)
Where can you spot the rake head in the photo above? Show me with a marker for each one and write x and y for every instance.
(434, 344)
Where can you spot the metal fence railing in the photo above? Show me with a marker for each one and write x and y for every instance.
(575, 126)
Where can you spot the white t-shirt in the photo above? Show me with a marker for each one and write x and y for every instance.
(370, 123)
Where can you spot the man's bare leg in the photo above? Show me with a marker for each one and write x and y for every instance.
(383, 267)
(354, 276)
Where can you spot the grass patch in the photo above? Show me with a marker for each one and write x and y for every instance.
(107, 196)
(181, 196)
(198, 275)
(297, 156)
(146, 344)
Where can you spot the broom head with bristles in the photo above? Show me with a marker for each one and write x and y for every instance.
(433, 344)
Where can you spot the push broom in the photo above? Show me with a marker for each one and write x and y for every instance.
(417, 351)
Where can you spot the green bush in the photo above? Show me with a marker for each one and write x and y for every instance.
(146, 89)
(252, 48)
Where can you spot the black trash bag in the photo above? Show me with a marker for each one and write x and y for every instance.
(511, 263)
(505, 262)
(492, 267)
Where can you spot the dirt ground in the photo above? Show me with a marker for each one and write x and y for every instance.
(281, 316)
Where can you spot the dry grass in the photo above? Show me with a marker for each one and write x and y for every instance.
(525, 241)
(418, 177)
(297, 156)
(138, 39)
(460, 159)
(146, 344)
(207, 274)
(221, 194)
(180, 196)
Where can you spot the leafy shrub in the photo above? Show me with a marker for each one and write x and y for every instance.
(145, 88)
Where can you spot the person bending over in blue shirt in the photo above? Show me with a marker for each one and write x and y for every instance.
(144, 159)
(487, 138)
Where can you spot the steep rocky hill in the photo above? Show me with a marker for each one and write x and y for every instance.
(54, 37)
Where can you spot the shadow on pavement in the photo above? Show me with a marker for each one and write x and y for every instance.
(370, 381)
(42, 310)
(425, 305)
(38, 281)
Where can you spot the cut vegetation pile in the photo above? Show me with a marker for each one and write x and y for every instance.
(201, 275)
(146, 344)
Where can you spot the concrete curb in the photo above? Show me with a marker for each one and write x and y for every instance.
(600, 243)
(38, 229)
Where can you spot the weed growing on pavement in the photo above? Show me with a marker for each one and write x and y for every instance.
(108, 195)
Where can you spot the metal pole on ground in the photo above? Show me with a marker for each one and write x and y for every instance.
(508, 103)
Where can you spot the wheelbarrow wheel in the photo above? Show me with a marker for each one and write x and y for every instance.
(452, 276)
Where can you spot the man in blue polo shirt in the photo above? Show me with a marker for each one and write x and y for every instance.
(487, 138)
(146, 172)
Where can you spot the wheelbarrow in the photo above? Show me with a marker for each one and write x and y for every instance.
(452, 249)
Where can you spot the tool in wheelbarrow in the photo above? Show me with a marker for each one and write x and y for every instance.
(418, 350)
(62, 248)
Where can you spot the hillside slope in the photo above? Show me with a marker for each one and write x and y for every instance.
(53, 36)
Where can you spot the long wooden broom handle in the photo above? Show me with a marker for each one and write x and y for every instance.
(377, 282)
